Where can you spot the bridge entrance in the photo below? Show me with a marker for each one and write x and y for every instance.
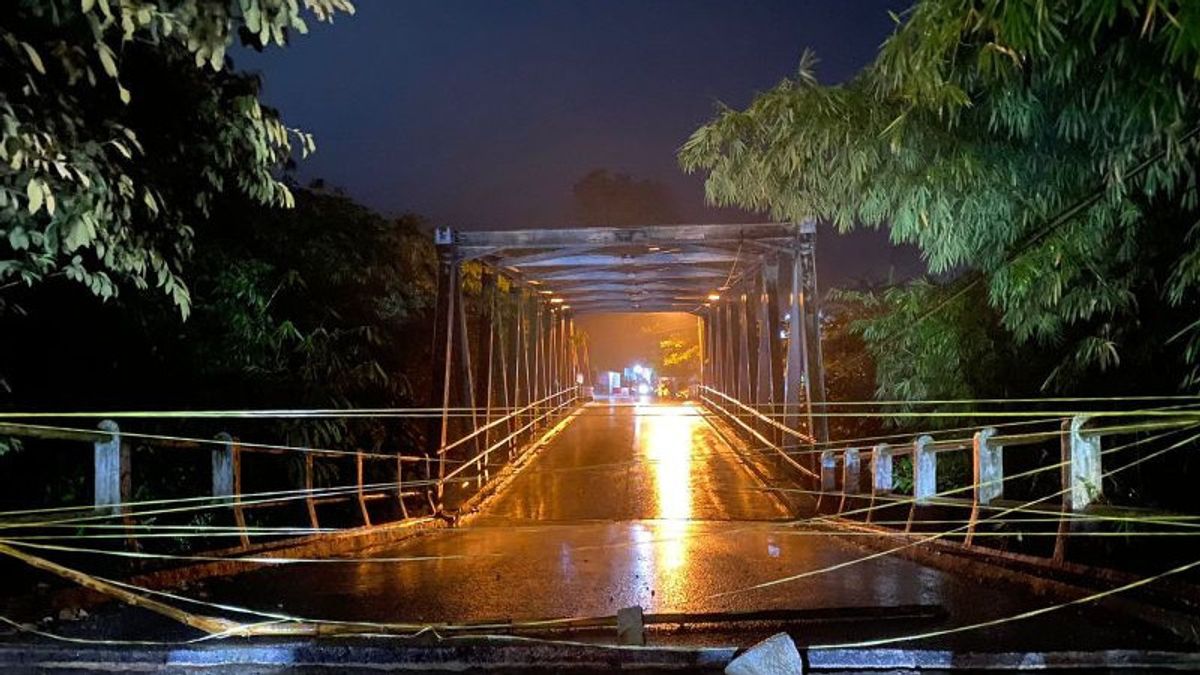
(655, 506)
(530, 508)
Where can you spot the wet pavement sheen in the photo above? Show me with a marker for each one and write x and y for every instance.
(648, 506)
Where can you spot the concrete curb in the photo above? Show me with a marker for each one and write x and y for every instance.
(238, 656)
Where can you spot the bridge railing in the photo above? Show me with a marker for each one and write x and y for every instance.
(860, 480)
(762, 428)
(368, 488)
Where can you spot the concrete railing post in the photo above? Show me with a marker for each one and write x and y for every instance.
(924, 463)
(828, 468)
(881, 475)
(851, 469)
(1082, 482)
(881, 469)
(987, 460)
(1081, 453)
(112, 479)
(828, 471)
(222, 466)
(850, 475)
(924, 469)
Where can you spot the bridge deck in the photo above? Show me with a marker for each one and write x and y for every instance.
(649, 506)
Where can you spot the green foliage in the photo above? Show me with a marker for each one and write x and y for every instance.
(678, 357)
(978, 124)
(103, 169)
(849, 368)
(950, 354)
(326, 305)
(313, 307)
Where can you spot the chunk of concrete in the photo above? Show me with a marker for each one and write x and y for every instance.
(631, 629)
(777, 655)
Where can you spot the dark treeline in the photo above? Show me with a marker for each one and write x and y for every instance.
(326, 305)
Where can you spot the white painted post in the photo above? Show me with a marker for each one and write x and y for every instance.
(988, 460)
(881, 469)
(924, 462)
(1086, 483)
(828, 467)
(222, 466)
(851, 464)
(850, 467)
(112, 478)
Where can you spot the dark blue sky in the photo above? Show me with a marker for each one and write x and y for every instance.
(485, 113)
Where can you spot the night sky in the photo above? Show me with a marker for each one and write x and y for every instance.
(483, 114)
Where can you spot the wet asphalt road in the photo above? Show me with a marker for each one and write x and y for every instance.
(648, 506)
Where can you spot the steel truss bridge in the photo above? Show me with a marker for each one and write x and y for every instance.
(540, 529)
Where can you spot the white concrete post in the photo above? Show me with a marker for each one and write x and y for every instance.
(112, 478)
(828, 467)
(881, 469)
(222, 466)
(924, 463)
(1086, 484)
(850, 471)
(988, 461)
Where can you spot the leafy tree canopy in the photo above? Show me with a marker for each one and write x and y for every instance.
(120, 121)
(1049, 145)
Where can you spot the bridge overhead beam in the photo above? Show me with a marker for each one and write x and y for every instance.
(632, 273)
(631, 308)
(482, 243)
(614, 260)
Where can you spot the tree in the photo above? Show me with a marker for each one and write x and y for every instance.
(1047, 147)
(679, 356)
(604, 198)
(120, 121)
(313, 307)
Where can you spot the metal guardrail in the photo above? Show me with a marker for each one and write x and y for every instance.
(757, 434)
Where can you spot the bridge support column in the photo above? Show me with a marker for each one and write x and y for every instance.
(443, 356)
(1082, 481)
(491, 318)
(768, 339)
(807, 302)
(745, 390)
(728, 349)
(987, 474)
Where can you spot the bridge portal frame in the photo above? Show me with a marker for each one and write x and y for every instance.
(528, 370)
(752, 286)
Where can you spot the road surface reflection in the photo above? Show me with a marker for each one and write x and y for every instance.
(664, 436)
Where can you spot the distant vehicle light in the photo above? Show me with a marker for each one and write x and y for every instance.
(643, 388)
